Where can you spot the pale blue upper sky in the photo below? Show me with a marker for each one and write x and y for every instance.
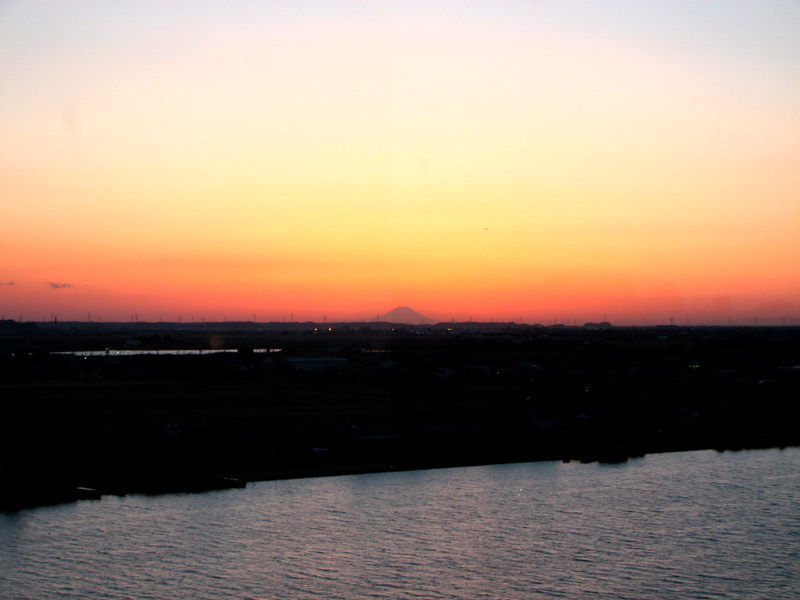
(747, 36)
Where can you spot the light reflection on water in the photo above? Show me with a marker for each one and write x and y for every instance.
(167, 352)
(688, 525)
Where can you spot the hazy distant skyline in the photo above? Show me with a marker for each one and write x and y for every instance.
(636, 161)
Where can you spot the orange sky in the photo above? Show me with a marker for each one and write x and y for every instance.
(555, 160)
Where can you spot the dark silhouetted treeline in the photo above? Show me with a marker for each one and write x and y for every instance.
(362, 398)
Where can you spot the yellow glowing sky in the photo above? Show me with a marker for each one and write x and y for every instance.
(544, 160)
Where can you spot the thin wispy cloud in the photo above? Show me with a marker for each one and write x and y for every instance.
(58, 286)
(7, 282)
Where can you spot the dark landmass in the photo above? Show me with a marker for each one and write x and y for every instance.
(360, 397)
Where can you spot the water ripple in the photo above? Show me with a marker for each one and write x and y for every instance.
(699, 525)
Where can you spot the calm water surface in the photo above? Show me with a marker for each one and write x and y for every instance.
(685, 525)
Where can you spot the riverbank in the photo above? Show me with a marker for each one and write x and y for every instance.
(68, 441)
(78, 427)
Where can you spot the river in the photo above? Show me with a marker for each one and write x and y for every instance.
(683, 525)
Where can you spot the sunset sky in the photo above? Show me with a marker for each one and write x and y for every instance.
(543, 160)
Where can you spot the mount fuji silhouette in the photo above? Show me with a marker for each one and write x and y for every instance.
(403, 314)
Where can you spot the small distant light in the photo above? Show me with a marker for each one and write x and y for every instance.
(329, 329)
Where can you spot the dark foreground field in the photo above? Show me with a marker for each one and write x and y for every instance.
(359, 398)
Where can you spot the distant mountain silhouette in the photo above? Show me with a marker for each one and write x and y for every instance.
(403, 314)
